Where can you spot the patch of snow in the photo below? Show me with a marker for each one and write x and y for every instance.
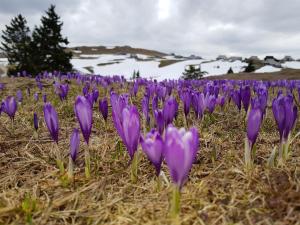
(110, 47)
(94, 49)
(221, 67)
(141, 56)
(3, 61)
(292, 65)
(150, 69)
(77, 51)
(267, 69)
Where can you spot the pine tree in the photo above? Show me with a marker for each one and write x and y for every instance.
(49, 45)
(137, 74)
(230, 71)
(16, 44)
(191, 72)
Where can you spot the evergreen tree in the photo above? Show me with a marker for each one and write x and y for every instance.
(48, 45)
(16, 44)
(133, 75)
(230, 70)
(137, 74)
(191, 72)
(250, 68)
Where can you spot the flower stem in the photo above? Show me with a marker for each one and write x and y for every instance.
(71, 169)
(59, 161)
(175, 203)
(248, 159)
(158, 183)
(134, 167)
(87, 168)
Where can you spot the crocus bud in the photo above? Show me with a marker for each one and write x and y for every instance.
(159, 119)
(84, 114)
(10, 107)
(152, 146)
(74, 144)
(131, 129)
(103, 108)
(180, 150)
(253, 125)
(35, 121)
(51, 119)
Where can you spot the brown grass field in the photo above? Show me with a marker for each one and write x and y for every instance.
(219, 190)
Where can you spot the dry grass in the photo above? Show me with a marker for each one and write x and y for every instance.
(218, 191)
(168, 62)
(284, 74)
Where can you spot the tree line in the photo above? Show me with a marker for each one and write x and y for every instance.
(43, 49)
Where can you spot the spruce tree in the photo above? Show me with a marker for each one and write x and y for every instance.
(191, 72)
(49, 45)
(230, 71)
(16, 44)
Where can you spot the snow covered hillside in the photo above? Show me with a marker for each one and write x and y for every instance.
(149, 66)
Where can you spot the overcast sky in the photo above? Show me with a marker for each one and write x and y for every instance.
(202, 27)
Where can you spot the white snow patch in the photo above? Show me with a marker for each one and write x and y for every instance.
(150, 69)
(3, 61)
(292, 65)
(267, 69)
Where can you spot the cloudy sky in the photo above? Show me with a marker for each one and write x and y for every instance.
(202, 27)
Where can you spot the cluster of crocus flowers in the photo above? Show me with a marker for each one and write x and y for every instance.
(179, 148)
(84, 113)
(127, 123)
(285, 114)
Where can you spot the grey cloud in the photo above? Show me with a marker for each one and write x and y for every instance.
(204, 27)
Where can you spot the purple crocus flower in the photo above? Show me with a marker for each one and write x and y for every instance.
(210, 102)
(35, 121)
(135, 88)
(103, 107)
(95, 95)
(170, 110)
(285, 114)
(236, 96)
(159, 119)
(84, 114)
(44, 98)
(253, 125)
(10, 107)
(131, 129)
(180, 151)
(198, 103)
(154, 103)
(186, 99)
(51, 119)
(118, 103)
(245, 96)
(90, 98)
(145, 108)
(63, 91)
(221, 101)
(19, 96)
(152, 146)
(74, 144)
